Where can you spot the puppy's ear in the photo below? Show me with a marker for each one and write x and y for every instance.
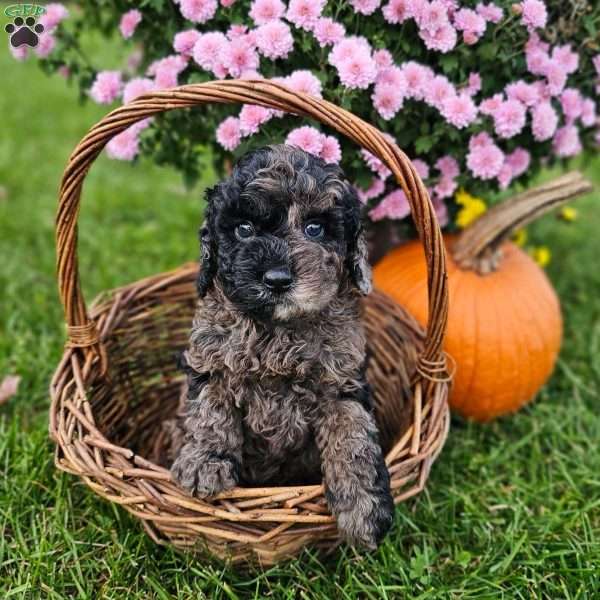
(208, 252)
(357, 258)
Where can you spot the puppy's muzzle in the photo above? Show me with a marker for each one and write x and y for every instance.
(278, 279)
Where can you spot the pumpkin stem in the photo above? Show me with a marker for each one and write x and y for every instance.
(478, 246)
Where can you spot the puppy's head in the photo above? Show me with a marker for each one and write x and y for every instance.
(283, 235)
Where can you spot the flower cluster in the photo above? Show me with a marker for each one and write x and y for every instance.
(473, 91)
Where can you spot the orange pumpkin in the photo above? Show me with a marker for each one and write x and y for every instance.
(504, 322)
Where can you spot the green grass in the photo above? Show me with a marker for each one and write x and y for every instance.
(512, 509)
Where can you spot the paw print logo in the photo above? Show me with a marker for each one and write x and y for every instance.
(24, 32)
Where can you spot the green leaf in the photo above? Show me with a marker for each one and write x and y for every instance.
(463, 558)
(487, 51)
(424, 144)
(449, 62)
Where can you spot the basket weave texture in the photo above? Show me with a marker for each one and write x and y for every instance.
(117, 380)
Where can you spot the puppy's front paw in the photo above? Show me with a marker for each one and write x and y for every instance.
(367, 518)
(205, 476)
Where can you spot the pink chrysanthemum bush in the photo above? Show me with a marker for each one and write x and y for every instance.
(479, 94)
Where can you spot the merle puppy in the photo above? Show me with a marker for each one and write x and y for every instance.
(275, 365)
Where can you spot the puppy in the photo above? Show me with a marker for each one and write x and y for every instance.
(275, 366)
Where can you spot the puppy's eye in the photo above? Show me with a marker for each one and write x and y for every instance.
(244, 231)
(314, 230)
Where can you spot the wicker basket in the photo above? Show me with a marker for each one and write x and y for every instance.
(117, 380)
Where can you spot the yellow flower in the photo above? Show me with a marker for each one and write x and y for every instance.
(472, 208)
(568, 213)
(541, 255)
(470, 212)
(520, 237)
(464, 198)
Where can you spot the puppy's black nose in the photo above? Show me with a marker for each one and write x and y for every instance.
(278, 279)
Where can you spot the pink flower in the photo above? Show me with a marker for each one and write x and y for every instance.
(307, 138)
(304, 81)
(542, 90)
(365, 7)
(184, 42)
(64, 71)
(238, 56)
(136, 87)
(490, 12)
(421, 167)
(438, 90)
(358, 72)
(534, 14)
(566, 141)
(474, 85)
(129, 22)
(468, 20)
(305, 13)
(106, 87)
(396, 11)
(125, 145)
(393, 206)
(417, 79)
(393, 76)
(441, 211)
(544, 121)
(480, 140)
(209, 48)
(588, 112)
(518, 161)
(433, 16)
(375, 164)
(387, 100)
(470, 38)
(556, 77)
(166, 70)
(274, 39)
(459, 110)
(46, 44)
(198, 11)
(537, 60)
(505, 176)
(445, 187)
(54, 14)
(509, 118)
(375, 189)
(347, 49)
(327, 31)
(526, 93)
(263, 11)
(596, 63)
(383, 59)
(252, 117)
(415, 8)
(451, 6)
(330, 151)
(229, 133)
(566, 58)
(490, 105)
(442, 39)
(227, 3)
(485, 161)
(448, 167)
(572, 104)
(236, 31)
(20, 53)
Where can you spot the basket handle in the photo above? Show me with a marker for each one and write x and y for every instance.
(81, 330)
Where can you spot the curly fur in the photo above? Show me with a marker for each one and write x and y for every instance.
(276, 387)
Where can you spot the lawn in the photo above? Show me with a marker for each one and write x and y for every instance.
(512, 509)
